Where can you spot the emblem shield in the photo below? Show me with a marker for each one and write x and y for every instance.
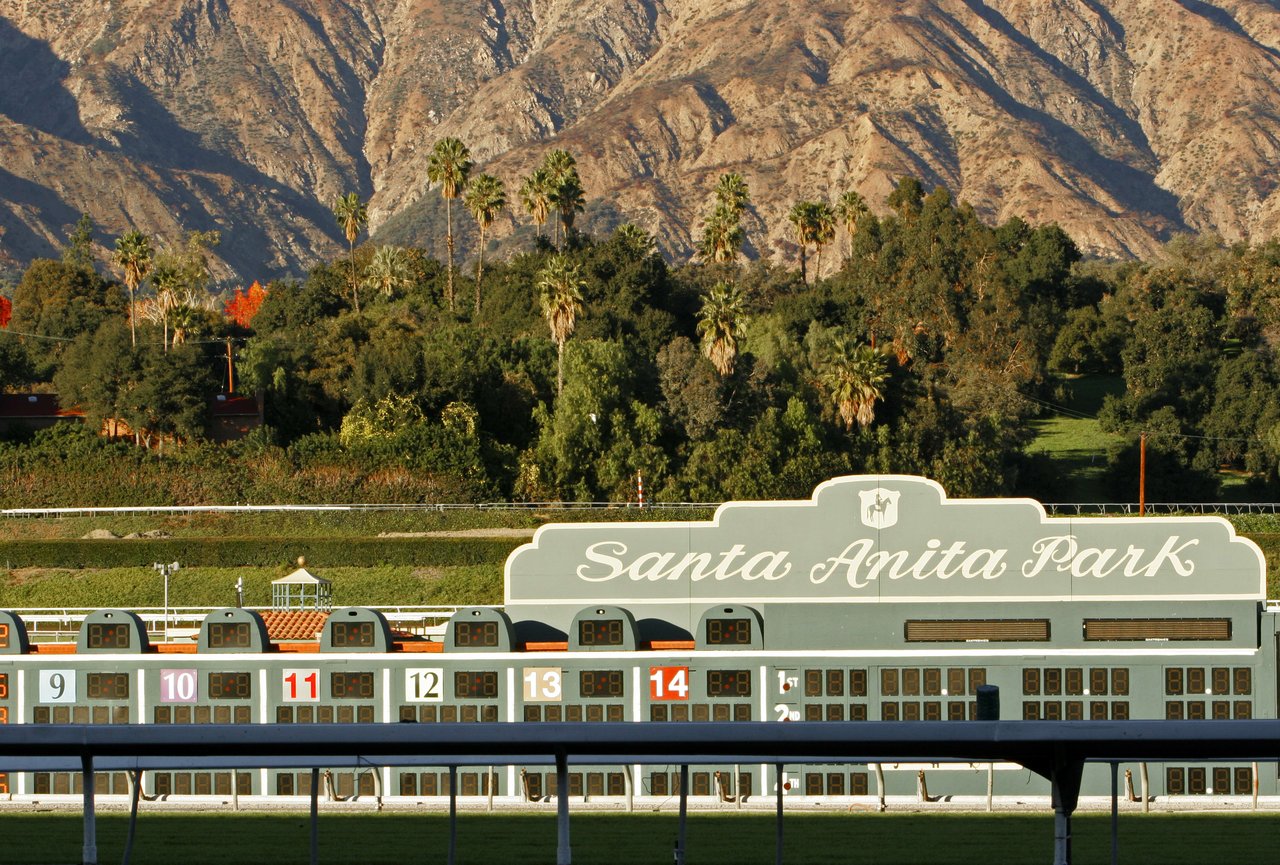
(879, 507)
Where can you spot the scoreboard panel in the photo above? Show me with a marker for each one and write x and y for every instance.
(879, 599)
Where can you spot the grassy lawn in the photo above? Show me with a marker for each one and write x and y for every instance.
(1074, 441)
(644, 838)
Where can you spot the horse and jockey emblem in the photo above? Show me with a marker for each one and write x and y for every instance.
(879, 507)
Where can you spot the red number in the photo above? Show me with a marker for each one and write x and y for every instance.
(292, 681)
(668, 683)
(4, 685)
(4, 715)
(4, 783)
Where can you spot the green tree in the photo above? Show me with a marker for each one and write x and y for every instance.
(722, 322)
(721, 235)
(569, 200)
(134, 257)
(732, 193)
(824, 224)
(805, 218)
(485, 197)
(78, 252)
(60, 302)
(388, 270)
(560, 285)
(101, 372)
(352, 215)
(449, 165)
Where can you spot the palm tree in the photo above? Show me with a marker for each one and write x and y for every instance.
(569, 200)
(731, 192)
(449, 165)
(722, 321)
(485, 198)
(852, 374)
(134, 256)
(167, 280)
(388, 270)
(352, 215)
(535, 196)
(560, 285)
(824, 222)
(803, 217)
(851, 208)
(189, 311)
(637, 241)
(721, 235)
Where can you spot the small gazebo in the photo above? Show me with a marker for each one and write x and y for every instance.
(302, 591)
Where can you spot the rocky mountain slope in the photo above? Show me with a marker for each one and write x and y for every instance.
(1123, 120)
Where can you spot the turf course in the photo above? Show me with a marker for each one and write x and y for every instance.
(645, 839)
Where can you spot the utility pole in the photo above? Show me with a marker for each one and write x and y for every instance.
(166, 570)
(231, 378)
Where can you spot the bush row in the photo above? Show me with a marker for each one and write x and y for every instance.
(255, 552)
(138, 588)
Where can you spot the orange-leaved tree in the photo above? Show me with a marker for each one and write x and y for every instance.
(6, 311)
(244, 304)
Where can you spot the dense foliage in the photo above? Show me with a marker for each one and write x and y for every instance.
(584, 363)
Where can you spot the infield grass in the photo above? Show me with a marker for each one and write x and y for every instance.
(645, 839)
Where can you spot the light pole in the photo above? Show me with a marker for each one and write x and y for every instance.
(166, 570)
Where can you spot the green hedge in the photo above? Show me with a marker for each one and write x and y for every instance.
(255, 552)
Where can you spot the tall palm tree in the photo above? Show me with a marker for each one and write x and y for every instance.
(560, 285)
(853, 376)
(851, 209)
(721, 235)
(449, 165)
(352, 215)
(803, 217)
(824, 222)
(134, 256)
(388, 270)
(485, 198)
(722, 321)
(189, 311)
(167, 279)
(535, 196)
(731, 191)
(569, 200)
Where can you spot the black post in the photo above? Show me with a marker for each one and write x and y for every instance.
(988, 703)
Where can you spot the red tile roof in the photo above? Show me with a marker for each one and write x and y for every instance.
(34, 405)
(293, 625)
(233, 405)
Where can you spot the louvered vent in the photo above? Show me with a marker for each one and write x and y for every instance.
(1157, 629)
(977, 630)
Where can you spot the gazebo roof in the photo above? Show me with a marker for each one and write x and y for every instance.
(301, 577)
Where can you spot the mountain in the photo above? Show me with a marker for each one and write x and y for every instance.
(1125, 121)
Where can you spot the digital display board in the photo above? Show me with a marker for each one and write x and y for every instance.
(230, 635)
(4, 635)
(600, 632)
(728, 683)
(230, 686)
(103, 635)
(600, 684)
(728, 632)
(351, 686)
(475, 684)
(353, 635)
(107, 686)
(473, 634)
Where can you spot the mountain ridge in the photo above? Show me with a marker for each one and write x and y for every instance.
(1124, 122)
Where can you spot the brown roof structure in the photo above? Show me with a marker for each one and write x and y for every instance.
(285, 626)
(35, 405)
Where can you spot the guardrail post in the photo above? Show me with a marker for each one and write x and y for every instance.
(777, 854)
(315, 815)
(89, 855)
(684, 811)
(453, 814)
(564, 855)
(1065, 780)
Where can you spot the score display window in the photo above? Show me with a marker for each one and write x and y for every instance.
(475, 684)
(230, 635)
(230, 686)
(470, 635)
(600, 684)
(354, 635)
(107, 686)
(4, 635)
(728, 683)
(601, 632)
(109, 635)
(728, 632)
(351, 686)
